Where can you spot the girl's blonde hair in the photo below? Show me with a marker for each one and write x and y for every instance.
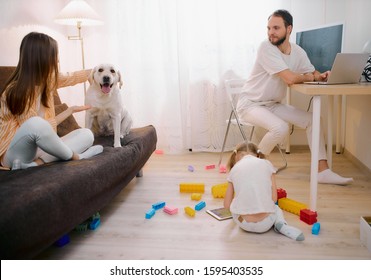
(246, 147)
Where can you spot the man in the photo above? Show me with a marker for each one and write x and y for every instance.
(279, 64)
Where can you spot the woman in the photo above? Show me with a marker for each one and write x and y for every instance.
(27, 118)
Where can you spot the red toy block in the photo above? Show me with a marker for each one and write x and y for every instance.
(308, 216)
(281, 193)
(211, 166)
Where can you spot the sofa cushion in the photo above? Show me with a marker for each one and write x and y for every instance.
(68, 124)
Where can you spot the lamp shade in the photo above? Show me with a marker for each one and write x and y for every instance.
(78, 11)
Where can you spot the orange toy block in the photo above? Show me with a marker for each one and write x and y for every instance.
(192, 187)
(291, 205)
(218, 191)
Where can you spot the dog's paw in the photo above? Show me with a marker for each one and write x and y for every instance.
(117, 145)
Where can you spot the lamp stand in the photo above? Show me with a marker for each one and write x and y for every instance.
(79, 37)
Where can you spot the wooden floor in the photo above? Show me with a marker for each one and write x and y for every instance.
(126, 234)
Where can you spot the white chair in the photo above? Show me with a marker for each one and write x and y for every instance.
(233, 89)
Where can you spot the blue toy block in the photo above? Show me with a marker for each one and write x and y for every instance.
(150, 213)
(65, 239)
(316, 228)
(200, 205)
(94, 224)
(158, 205)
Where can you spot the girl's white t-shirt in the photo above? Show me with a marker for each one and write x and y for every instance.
(252, 181)
(263, 86)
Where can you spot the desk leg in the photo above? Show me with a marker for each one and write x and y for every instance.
(314, 153)
(330, 115)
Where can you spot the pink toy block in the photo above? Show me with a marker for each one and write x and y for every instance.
(211, 166)
(308, 216)
(159, 152)
(170, 210)
(222, 168)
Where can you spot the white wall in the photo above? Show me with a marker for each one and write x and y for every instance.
(355, 15)
(21, 16)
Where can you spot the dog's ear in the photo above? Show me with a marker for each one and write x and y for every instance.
(120, 82)
(91, 76)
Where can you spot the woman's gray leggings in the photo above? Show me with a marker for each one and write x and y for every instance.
(37, 139)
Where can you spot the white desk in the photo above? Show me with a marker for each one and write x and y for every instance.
(330, 91)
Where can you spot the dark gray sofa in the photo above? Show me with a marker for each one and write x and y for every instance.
(41, 204)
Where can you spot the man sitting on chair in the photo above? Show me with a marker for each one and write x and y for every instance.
(280, 63)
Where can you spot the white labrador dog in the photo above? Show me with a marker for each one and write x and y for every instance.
(107, 115)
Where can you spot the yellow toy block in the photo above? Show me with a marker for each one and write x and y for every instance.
(291, 205)
(196, 196)
(219, 190)
(192, 187)
(189, 211)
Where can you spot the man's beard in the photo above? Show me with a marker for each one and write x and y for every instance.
(279, 42)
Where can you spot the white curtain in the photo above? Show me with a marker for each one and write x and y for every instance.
(174, 56)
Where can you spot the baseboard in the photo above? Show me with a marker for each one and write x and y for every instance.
(357, 162)
(346, 153)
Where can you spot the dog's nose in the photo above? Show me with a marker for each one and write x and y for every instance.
(106, 79)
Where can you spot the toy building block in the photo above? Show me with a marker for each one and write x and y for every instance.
(192, 187)
(200, 205)
(281, 193)
(189, 211)
(218, 191)
(65, 239)
(291, 205)
(211, 166)
(82, 227)
(158, 205)
(170, 210)
(316, 228)
(150, 213)
(196, 196)
(191, 168)
(308, 216)
(159, 152)
(95, 216)
(94, 224)
(222, 168)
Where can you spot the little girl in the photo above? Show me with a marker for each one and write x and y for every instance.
(252, 193)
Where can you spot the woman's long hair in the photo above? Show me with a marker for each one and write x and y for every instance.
(37, 67)
(247, 147)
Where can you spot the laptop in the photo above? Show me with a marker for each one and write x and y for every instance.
(346, 69)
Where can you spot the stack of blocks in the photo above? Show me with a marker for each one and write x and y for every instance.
(297, 208)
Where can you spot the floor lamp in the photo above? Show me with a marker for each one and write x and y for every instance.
(78, 13)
